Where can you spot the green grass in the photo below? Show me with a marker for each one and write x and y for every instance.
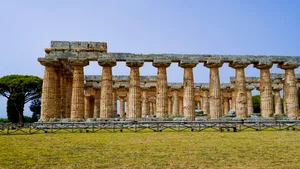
(246, 149)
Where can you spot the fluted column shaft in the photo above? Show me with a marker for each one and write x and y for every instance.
(115, 104)
(134, 90)
(69, 96)
(48, 110)
(127, 105)
(265, 87)
(169, 105)
(199, 105)
(58, 102)
(215, 104)
(226, 105)
(232, 105)
(145, 104)
(77, 104)
(63, 84)
(188, 94)
(249, 102)
(278, 104)
(161, 90)
(97, 103)
(151, 108)
(180, 106)
(175, 108)
(205, 104)
(89, 107)
(290, 94)
(122, 107)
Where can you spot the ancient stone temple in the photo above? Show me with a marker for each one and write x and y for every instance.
(70, 94)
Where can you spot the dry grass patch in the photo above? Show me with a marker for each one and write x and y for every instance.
(266, 149)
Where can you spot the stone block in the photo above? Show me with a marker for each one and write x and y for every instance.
(65, 45)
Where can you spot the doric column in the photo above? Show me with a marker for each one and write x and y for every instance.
(58, 87)
(69, 80)
(115, 103)
(134, 89)
(180, 105)
(265, 87)
(154, 108)
(232, 104)
(175, 108)
(169, 105)
(106, 99)
(188, 88)
(48, 102)
(127, 105)
(88, 107)
(205, 102)
(290, 90)
(122, 106)
(77, 104)
(240, 88)
(151, 108)
(63, 91)
(226, 105)
(97, 103)
(199, 104)
(215, 103)
(277, 100)
(145, 104)
(161, 88)
(249, 99)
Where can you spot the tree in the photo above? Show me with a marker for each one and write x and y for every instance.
(35, 108)
(256, 103)
(20, 89)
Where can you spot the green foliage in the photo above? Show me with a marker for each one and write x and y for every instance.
(20, 89)
(12, 112)
(4, 120)
(35, 108)
(256, 103)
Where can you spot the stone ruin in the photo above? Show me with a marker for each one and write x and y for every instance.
(69, 94)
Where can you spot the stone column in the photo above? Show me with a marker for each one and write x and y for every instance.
(63, 84)
(226, 105)
(151, 108)
(205, 103)
(127, 105)
(290, 90)
(145, 104)
(199, 105)
(88, 107)
(154, 108)
(122, 106)
(106, 99)
(188, 88)
(161, 88)
(240, 89)
(265, 87)
(48, 101)
(249, 100)
(134, 89)
(175, 108)
(77, 104)
(169, 105)
(69, 80)
(58, 92)
(180, 106)
(97, 103)
(214, 89)
(232, 105)
(115, 104)
(278, 104)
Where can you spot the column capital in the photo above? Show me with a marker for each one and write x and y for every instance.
(110, 62)
(78, 62)
(263, 64)
(134, 63)
(213, 63)
(239, 64)
(188, 63)
(288, 65)
(161, 62)
(49, 62)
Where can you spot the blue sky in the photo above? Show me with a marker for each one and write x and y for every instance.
(268, 27)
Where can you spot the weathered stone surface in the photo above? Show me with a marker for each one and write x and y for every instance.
(115, 104)
(88, 107)
(278, 104)
(169, 105)
(122, 106)
(226, 105)
(215, 103)
(161, 90)
(97, 103)
(205, 102)
(134, 90)
(78, 46)
(180, 99)
(106, 102)
(145, 104)
(188, 96)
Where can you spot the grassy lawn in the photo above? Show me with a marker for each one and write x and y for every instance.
(247, 149)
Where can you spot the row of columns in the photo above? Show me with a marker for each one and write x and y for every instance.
(72, 100)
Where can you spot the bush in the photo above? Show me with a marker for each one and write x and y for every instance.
(4, 120)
